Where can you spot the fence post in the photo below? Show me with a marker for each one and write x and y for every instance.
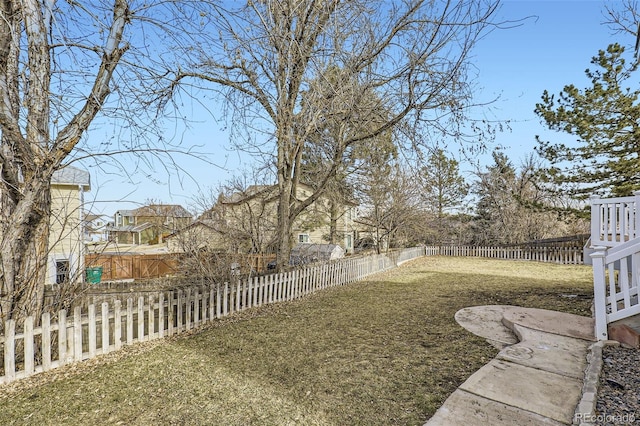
(10, 350)
(599, 292)
(595, 218)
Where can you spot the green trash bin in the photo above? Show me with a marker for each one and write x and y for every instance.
(94, 275)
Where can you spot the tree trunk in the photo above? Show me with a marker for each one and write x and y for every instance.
(283, 233)
(24, 239)
(333, 222)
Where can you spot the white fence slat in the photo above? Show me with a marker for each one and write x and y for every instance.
(92, 331)
(77, 334)
(104, 312)
(140, 319)
(29, 353)
(225, 300)
(152, 318)
(238, 285)
(9, 350)
(45, 337)
(179, 303)
(171, 316)
(129, 321)
(187, 309)
(62, 337)
(161, 327)
(218, 302)
(117, 324)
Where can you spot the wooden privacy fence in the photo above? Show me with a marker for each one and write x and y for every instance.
(133, 266)
(62, 339)
(566, 255)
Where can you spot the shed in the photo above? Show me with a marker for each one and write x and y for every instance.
(311, 252)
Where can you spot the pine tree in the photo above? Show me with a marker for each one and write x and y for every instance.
(606, 120)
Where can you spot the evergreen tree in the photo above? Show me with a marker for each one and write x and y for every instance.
(443, 189)
(606, 120)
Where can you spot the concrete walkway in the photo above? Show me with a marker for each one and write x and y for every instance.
(536, 378)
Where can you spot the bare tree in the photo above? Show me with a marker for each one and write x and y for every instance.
(390, 206)
(63, 67)
(513, 207)
(263, 56)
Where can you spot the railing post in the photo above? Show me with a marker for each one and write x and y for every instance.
(595, 218)
(636, 214)
(599, 292)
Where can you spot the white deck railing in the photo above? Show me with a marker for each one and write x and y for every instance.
(615, 238)
(614, 220)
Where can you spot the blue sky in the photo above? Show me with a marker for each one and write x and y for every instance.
(548, 50)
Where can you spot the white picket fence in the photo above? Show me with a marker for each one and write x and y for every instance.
(65, 339)
(551, 254)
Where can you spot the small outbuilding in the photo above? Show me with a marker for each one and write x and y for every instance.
(311, 252)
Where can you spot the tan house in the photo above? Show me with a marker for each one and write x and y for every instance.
(200, 235)
(246, 222)
(66, 235)
(148, 224)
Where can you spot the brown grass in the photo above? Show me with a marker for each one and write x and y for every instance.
(385, 351)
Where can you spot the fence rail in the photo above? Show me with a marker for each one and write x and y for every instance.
(566, 255)
(61, 339)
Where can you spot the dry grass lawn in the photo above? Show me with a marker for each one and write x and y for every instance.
(386, 351)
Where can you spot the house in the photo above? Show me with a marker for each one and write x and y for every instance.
(199, 235)
(66, 234)
(246, 222)
(95, 227)
(148, 224)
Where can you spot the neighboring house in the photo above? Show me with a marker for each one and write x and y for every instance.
(149, 224)
(200, 235)
(66, 234)
(96, 227)
(246, 222)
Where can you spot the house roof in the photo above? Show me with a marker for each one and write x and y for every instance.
(163, 210)
(266, 191)
(92, 216)
(72, 176)
(252, 191)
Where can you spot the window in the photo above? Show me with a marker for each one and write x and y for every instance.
(303, 238)
(62, 271)
(348, 241)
